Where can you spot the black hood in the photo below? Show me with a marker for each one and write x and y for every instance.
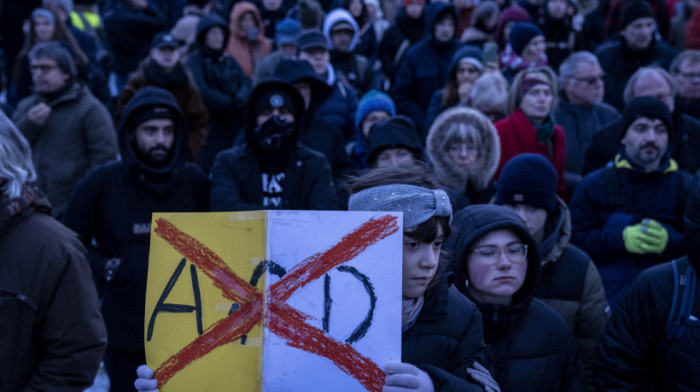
(293, 71)
(205, 23)
(152, 96)
(473, 222)
(434, 12)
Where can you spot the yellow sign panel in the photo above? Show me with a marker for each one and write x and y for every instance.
(203, 290)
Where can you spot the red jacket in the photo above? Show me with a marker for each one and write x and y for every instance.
(518, 135)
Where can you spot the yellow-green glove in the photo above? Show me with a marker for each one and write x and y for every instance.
(655, 236)
(634, 238)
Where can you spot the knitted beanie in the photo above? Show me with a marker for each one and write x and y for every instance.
(528, 179)
(634, 10)
(372, 101)
(287, 30)
(521, 34)
(393, 132)
(649, 107)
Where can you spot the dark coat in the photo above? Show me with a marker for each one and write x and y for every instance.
(129, 32)
(404, 29)
(529, 346)
(114, 203)
(683, 145)
(634, 354)
(571, 285)
(339, 108)
(53, 336)
(598, 221)
(224, 89)
(446, 338)
(619, 63)
(423, 69)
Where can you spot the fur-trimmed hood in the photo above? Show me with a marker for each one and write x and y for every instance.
(450, 175)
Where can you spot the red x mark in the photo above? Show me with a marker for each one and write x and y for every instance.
(282, 320)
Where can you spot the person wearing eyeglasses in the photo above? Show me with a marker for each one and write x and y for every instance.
(685, 70)
(569, 280)
(581, 110)
(497, 265)
(463, 149)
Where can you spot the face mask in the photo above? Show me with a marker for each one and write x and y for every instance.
(252, 34)
(274, 133)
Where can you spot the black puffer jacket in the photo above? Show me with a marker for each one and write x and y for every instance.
(634, 353)
(224, 89)
(114, 203)
(446, 338)
(529, 347)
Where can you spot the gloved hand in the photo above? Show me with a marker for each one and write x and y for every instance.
(145, 382)
(649, 236)
(656, 237)
(481, 376)
(404, 377)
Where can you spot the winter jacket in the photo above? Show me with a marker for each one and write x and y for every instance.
(683, 145)
(560, 38)
(424, 68)
(528, 345)
(446, 338)
(339, 108)
(129, 32)
(247, 53)
(182, 87)
(598, 219)
(77, 136)
(619, 63)
(479, 176)
(53, 336)
(634, 353)
(114, 203)
(223, 87)
(404, 32)
(570, 284)
(351, 67)
(518, 135)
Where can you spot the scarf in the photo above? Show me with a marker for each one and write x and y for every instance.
(410, 309)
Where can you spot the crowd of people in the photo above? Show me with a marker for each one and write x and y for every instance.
(545, 155)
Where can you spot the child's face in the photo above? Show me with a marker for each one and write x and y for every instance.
(420, 262)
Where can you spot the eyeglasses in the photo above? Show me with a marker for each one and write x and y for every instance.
(457, 148)
(42, 67)
(591, 80)
(691, 75)
(490, 254)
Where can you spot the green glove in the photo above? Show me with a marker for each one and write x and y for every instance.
(634, 238)
(655, 236)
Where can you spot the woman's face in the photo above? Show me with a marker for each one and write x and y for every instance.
(214, 38)
(420, 262)
(466, 73)
(463, 154)
(44, 29)
(534, 49)
(355, 8)
(496, 267)
(537, 102)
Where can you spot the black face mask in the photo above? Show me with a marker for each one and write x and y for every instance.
(274, 134)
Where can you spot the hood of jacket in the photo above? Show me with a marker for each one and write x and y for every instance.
(482, 170)
(237, 12)
(558, 234)
(144, 97)
(340, 15)
(292, 71)
(434, 12)
(472, 223)
(205, 23)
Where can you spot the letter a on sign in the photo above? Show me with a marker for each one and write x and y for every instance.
(274, 300)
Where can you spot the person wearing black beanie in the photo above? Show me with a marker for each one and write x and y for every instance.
(272, 170)
(642, 147)
(651, 338)
(394, 142)
(528, 186)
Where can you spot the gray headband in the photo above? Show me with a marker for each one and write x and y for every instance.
(418, 204)
(45, 13)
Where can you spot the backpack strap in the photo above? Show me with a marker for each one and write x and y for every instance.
(612, 185)
(682, 305)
